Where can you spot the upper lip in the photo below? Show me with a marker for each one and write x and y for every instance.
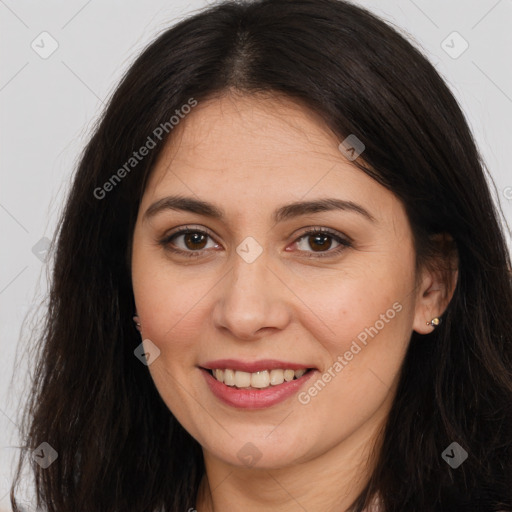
(253, 366)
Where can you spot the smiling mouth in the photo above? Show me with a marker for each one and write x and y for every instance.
(257, 380)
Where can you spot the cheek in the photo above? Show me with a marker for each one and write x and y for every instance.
(171, 311)
(356, 305)
(365, 336)
(171, 305)
(162, 297)
(363, 319)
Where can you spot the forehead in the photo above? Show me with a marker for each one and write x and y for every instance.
(254, 150)
(258, 129)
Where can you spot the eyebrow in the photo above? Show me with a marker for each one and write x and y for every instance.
(288, 211)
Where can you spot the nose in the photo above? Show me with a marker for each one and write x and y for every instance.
(252, 301)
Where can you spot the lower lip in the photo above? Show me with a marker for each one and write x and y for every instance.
(255, 398)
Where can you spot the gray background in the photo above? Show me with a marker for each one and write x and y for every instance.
(48, 107)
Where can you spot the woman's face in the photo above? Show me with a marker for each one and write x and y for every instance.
(252, 289)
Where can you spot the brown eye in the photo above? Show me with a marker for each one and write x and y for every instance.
(320, 242)
(195, 240)
(188, 242)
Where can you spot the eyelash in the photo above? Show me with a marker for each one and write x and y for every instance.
(344, 242)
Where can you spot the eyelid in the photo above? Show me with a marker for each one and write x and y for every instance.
(181, 229)
(321, 229)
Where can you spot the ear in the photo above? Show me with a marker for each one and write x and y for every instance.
(436, 283)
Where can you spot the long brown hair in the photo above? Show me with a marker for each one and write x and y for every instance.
(119, 447)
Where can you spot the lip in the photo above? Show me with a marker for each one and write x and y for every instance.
(255, 398)
(253, 366)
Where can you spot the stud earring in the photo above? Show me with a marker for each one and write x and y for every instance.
(434, 322)
(137, 323)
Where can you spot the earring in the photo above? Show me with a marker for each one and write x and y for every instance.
(434, 322)
(137, 323)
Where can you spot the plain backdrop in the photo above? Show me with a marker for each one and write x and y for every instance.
(49, 102)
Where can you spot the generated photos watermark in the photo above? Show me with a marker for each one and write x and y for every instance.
(304, 397)
(137, 156)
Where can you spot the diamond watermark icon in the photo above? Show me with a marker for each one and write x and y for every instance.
(45, 455)
(249, 250)
(40, 249)
(249, 454)
(44, 45)
(454, 455)
(147, 352)
(352, 147)
(454, 45)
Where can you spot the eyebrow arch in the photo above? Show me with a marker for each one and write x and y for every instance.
(200, 207)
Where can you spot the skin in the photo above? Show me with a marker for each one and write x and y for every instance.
(250, 155)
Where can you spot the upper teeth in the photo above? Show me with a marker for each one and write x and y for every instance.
(261, 379)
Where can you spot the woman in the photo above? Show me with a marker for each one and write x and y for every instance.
(280, 283)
